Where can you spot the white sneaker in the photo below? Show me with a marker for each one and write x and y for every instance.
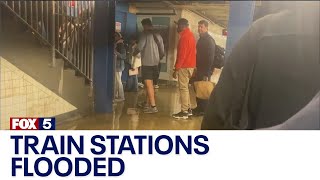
(156, 86)
(150, 110)
(142, 105)
(141, 85)
(118, 100)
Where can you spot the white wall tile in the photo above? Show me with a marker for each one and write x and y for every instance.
(20, 95)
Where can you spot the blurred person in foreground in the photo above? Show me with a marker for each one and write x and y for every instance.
(306, 119)
(271, 73)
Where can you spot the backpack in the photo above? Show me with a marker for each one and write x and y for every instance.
(161, 52)
(219, 57)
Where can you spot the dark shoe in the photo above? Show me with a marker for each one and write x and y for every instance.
(190, 112)
(195, 110)
(181, 115)
(197, 113)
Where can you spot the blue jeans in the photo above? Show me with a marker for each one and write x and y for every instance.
(118, 86)
(130, 83)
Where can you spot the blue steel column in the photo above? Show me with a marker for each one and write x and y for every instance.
(240, 18)
(104, 27)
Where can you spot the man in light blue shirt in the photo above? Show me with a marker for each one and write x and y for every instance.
(150, 45)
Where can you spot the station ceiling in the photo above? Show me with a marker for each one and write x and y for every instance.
(216, 11)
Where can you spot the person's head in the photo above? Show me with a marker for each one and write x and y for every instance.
(203, 26)
(182, 24)
(147, 24)
(117, 36)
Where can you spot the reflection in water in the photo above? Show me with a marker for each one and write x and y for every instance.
(117, 112)
(134, 118)
(132, 110)
(127, 116)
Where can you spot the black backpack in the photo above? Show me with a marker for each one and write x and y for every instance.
(161, 52)
(219, 57)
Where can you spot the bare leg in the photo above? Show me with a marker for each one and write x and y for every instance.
(147, 97)
(150, 92)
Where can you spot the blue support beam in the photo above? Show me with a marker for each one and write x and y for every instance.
(240, 19)
(104, 27)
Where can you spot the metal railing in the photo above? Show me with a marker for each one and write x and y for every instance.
(65, 26)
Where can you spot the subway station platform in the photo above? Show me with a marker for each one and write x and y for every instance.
(127, 116)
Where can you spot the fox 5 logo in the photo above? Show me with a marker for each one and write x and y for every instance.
(32, 123)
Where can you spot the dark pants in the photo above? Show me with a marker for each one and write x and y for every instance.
(130, 83)
(125, 74)
(201, 105)
(156, 79)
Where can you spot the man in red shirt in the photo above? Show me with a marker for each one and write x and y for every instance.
(185, 65)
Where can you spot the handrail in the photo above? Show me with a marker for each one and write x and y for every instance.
(65, 26)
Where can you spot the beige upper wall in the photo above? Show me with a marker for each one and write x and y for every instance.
(214, 30)
(173, 41)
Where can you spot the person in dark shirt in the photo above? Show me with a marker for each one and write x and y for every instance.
(306, 119)
(271, 73)
(206, 47)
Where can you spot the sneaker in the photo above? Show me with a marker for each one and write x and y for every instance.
(198, 113)
(156, 86)
(181, 115)
(151, 110)
(118, 100)
(142, 104)
(141, 85)
(146, 107)
(190, 112)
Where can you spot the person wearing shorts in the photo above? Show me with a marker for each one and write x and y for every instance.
(149, 44)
